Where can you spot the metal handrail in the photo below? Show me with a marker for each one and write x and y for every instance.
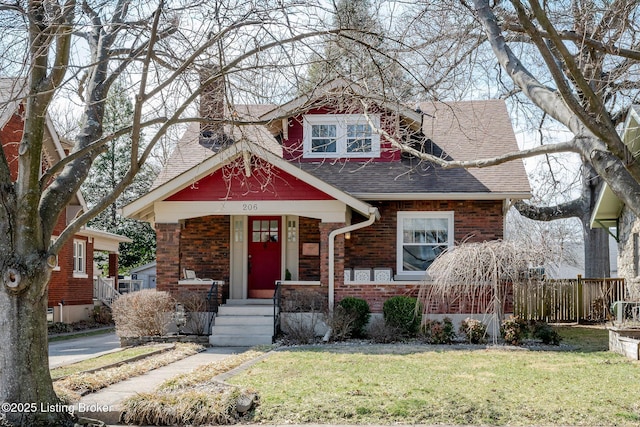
(277, 300)
(212, 302)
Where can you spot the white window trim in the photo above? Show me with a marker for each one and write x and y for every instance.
(448, 215)
(341, 121)
(81, 272)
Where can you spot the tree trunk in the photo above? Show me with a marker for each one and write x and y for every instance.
(26, 389)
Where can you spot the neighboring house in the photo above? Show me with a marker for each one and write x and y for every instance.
(146, 273)
(320, 199)
(611, 213)
(71, 284)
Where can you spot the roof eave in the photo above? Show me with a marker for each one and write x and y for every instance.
(607, 210)
(444, 196)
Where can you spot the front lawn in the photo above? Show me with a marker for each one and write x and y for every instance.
(368, 384)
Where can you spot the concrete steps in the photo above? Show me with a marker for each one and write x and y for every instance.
(243, 323)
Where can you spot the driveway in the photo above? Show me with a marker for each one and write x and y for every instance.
(77, 349)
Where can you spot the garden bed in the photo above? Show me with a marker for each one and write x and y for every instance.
(625, 342)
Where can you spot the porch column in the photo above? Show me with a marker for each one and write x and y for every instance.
(325, 229)
(167, 256)
(113, 268)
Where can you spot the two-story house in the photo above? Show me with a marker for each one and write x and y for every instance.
(71, 285)
(321, 198)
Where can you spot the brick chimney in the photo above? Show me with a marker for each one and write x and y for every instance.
(212, 106)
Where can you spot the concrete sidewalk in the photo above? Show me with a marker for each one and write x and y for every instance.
(104, 405)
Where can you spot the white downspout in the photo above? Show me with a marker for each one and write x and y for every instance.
(373, 215)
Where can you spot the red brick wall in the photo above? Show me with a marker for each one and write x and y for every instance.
(10, 136)
(308, 265)
(202, 245)
(375, 295)
(167, 256)
(62, 285)
(375, 246)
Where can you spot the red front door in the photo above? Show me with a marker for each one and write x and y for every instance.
(264, 255)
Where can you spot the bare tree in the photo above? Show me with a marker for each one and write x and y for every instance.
(576, 63)
(76, 50)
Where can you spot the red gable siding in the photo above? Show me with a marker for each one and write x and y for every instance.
(293, 146)
(265, 183)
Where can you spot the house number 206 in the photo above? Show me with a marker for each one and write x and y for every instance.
(249, 206)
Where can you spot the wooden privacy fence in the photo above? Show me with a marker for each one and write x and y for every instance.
(567, 300)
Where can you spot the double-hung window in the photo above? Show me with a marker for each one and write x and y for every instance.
(422, 236)
(79, 258)
(341, 135)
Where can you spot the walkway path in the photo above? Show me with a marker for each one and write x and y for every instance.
(105, 404)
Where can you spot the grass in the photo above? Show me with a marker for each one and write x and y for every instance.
(372, 384)
(102, 361)
(72, 387)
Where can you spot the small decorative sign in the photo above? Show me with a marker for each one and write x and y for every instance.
(311, 249)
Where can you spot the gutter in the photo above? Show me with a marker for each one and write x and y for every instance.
(373, 215)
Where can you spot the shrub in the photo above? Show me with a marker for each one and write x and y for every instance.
(438, 332)
(143, 313)
(359, 310)
(195, 307)
(102, 315)
(474, 330)
(59, 328)
(403, 313)
(304, 302)
(341, 323)
(300, 328)
(513, 330)
(381, 332)
(544, 332)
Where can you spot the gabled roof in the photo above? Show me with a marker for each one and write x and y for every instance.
(608, 208)
(466, 130)
(337, 88)
(189, 152)
(142, 208)
(457, 130)
(12, 92)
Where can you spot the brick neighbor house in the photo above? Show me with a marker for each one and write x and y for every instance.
(611, 213)
(71, 284)
(320, 199)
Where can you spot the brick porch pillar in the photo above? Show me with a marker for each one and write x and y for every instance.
(325, 229)
(113, 268)
(167, 256)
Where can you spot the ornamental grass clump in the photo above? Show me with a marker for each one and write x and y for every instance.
(473, 330)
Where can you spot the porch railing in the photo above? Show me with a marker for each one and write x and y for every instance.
(213, 301)
(104, 291)
(277, 302)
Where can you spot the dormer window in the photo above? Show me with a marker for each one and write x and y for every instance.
(341, 135)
